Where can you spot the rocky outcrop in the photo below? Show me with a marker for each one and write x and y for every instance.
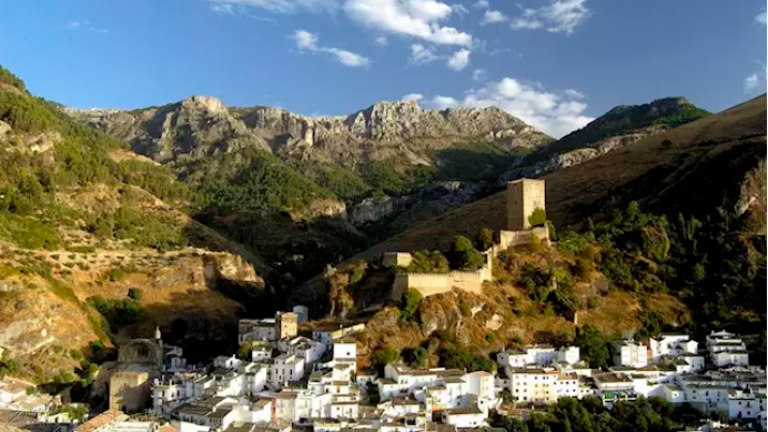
(202, 127)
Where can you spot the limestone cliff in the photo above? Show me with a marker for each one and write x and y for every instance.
(201, 127)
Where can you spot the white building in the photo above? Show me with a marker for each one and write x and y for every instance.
(746, 405)
(730, 358)
(345, 350)
(569, 355)
(286, 368)
(630, 353)
(532, 385)
(309, 350)
(469, 417)
(567, 385)
(535, 356)
(256, 330)
(672, 345)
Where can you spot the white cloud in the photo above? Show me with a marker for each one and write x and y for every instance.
(284, 6)
(85, 26)
(413, 97)
(443, 102)
(552, 113)
(414, 18)
(459, 60)
(459, 9)
(381, 41)
(348, 58)
(757, 81)
(762, 18)
(479, 75)
(482, 4)
(307, 41)
(492, 17)
(421, 55)
(223, 8)
(575, 94)
(559, 16)
(751, 83)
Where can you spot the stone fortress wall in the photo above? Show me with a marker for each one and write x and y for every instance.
(523, 197)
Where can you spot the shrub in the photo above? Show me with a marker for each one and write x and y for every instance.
(464, 256)
(666, 144)
(538, 217)
(409, 304)
(484, 239)
(384, 356)
(416, 357)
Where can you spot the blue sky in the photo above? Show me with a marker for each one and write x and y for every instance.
(556, 64)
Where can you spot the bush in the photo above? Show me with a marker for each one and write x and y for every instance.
(416, 357)
(409, 304)
(384, 356)
(484, 239)
(538, 217)
(464, 256)
(593, 346)
(459, 357)
(118, 313)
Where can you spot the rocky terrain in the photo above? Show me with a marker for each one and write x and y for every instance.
(200, 127)
(96, 246)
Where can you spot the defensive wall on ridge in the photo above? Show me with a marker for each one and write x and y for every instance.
(523, 198)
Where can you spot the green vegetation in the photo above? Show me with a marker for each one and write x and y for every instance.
(625, 119)
(389, 176)
(135, 294)
(429, 262)
(484, 239)
(589, 415)
(465, 358)
(718, 272)
(464, 256)
(267, 183)
(593, 346)
(79, 157)
(384, 356)
(118, 313)
(8, 366)
(416, 357)
(409, 304)
(538, 217)
(8, 78)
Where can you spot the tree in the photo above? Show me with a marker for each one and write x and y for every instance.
(538, 217)
(593, 346)
(384, 356)
(464, 256)
(409, 304)
(484, 239)
(416, 357)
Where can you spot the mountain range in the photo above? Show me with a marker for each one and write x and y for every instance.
(216, 212)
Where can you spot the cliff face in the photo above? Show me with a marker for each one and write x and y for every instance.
(201, 127)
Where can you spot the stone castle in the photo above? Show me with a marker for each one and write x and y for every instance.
(524, 196)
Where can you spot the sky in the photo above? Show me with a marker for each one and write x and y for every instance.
(555, 64)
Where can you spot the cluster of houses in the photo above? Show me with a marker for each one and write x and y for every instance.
(673, 367)
(282, 381)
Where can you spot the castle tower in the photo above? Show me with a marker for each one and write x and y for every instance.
(523, 197)
(286, 325)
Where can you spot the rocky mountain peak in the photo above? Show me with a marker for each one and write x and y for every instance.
(208, 103)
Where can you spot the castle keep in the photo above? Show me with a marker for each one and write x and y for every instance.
(524, 197)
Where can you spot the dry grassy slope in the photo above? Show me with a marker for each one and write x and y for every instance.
(709, 158)
(49, 315)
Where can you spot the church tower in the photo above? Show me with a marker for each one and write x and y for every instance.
(523, 197)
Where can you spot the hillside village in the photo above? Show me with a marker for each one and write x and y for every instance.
(292, 375)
